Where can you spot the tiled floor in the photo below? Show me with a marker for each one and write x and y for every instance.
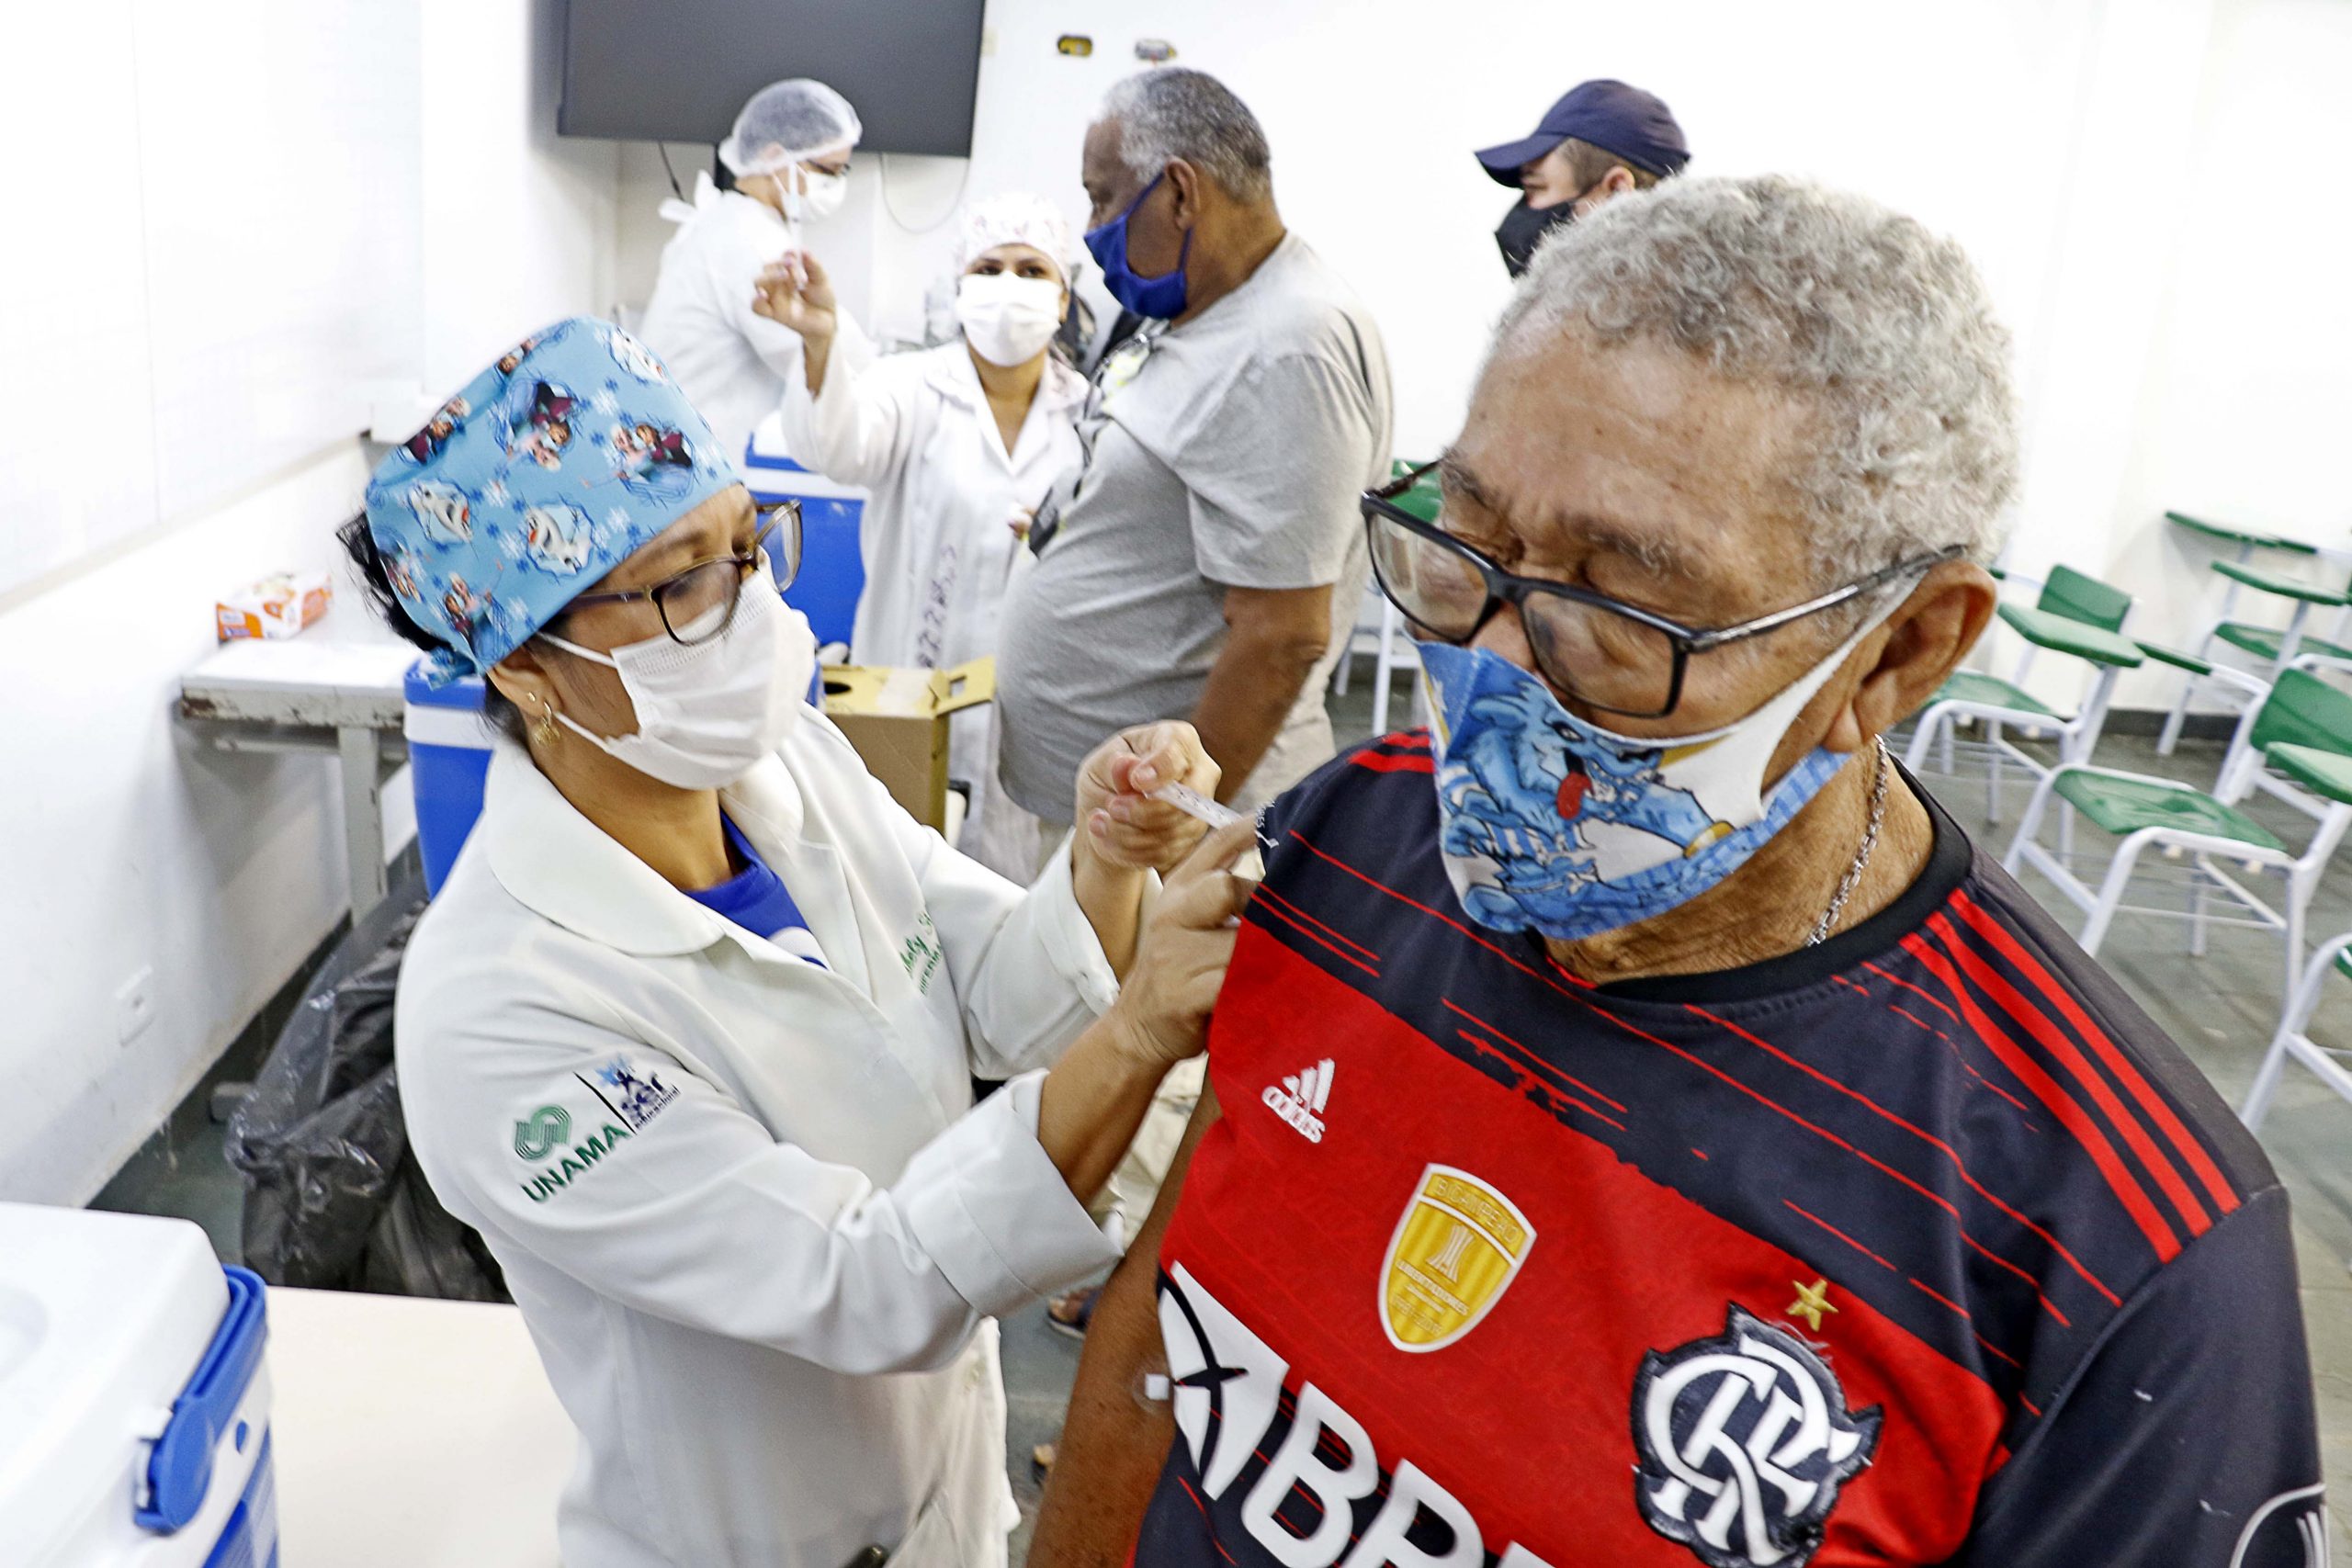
(2222, 1009)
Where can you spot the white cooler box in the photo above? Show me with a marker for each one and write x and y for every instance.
(134, 1405)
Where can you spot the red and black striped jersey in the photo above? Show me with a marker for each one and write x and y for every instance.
(1923, 1245)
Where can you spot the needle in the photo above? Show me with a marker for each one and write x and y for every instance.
(1193, 803)
(1251, 865)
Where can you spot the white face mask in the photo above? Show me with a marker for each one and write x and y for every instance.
(1007, 320)
(705, 714)
(820, 194)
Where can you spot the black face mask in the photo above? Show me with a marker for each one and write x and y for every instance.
(1523, 227)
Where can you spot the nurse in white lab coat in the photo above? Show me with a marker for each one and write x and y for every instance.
(789, 155)
(687, 1034)
(957, 445)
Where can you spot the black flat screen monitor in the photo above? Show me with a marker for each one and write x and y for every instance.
(679, 70)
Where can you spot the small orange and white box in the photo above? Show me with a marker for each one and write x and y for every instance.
(279, 606)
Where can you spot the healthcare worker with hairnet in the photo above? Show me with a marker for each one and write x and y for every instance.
(688, 1033)
(956, 444)
(789, 156)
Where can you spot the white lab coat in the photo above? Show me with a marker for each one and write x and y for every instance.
(916, 431)
(754, 1223)
(733, 363)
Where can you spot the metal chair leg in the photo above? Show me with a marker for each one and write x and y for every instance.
(2014, 858)
(2170, 735)
(2293, 1024)
(2189, 681)
(2299, 893)
(1992, 778)
(1380, 671)
(2111, 890)
(1923, 736)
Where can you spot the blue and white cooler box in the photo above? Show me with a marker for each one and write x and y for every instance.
(134, 1397)
(832, 568)
(448, 758)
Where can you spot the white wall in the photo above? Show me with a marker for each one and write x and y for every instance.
(214, 264)
(518, 221)
(2246, 398)
(123, 842)
(127, 845)
(2132, 178)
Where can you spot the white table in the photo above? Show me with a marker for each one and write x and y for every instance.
(412, 1434)
(312, 694)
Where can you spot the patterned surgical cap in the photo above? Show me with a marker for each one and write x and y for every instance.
(545, 472)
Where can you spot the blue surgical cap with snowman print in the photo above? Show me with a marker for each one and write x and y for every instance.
(545, 472)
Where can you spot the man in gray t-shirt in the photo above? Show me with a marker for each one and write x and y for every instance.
(1206, 561)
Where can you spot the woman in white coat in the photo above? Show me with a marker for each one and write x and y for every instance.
(687, 1034)
(956, 444)
(789, 156)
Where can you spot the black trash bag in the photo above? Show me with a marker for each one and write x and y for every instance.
(333, 1200)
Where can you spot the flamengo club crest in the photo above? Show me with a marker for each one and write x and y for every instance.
(1458, 1247)
(1745, 1442)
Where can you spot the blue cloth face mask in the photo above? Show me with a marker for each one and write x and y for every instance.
(1162, 297)
(1550, 823)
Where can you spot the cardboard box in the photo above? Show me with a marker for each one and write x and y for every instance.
(279, 606)
(898, 721)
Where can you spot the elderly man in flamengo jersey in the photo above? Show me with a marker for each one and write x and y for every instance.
(1645, 1130)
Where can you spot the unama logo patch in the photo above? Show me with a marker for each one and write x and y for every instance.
(1745, 1442)
(536, 1135)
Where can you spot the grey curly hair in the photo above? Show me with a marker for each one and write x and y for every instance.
(1881, 330)
(1171, 112)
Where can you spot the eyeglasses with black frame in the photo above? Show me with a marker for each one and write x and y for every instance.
(697, 604)
(1610, 656)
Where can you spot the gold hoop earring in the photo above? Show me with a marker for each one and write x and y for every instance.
(545, 731)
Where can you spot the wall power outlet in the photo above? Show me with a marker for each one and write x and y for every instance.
(134, 1006)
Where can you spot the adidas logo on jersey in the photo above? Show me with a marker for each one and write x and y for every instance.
(1299, 1100)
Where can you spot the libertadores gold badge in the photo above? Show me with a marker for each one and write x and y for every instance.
(1457, 1248)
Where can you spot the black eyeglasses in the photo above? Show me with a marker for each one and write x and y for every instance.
(698, 604)
(1610, 656)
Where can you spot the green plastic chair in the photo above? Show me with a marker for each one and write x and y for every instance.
(2299, 749)
(2244, 541)
(2077, 616)
(2273, 649)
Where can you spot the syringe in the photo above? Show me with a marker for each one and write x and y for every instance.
(1250, 865)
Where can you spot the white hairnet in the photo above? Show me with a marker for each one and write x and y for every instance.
(789, 122)
(1016, 218)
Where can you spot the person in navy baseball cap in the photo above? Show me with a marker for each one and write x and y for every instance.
(1602, 138)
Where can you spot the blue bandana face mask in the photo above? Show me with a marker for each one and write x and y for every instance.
(1551, 824)
(1162, 297)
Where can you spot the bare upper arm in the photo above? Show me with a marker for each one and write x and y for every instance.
(1205, 1115)
(1115, 1442)
(1299, 617)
